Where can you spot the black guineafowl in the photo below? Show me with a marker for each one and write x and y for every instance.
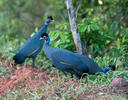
(32, 46)
(67, 61)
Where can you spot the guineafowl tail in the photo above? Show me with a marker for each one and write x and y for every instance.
(18, 58)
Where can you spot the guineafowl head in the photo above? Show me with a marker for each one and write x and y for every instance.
(112, 67)
(45, 36)
(49, 19)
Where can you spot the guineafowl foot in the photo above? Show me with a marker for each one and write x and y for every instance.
(33, 66)
(79, 77)
(71, 75)
(64, 73)
(33, 62)
(53, 66)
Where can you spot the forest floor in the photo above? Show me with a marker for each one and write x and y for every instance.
(25, 79)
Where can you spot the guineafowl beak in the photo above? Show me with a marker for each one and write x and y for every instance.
(52, 20)
(41, 38)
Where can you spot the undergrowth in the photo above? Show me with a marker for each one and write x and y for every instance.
(66, 88)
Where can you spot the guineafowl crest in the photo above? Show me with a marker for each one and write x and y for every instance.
(113, 67)
(50, 17)
(44, 34)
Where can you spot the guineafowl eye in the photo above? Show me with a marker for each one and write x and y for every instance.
(43, 36)
(112, 67)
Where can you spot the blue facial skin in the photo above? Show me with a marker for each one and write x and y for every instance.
(105, 70)
(47, 22)
(47, 40)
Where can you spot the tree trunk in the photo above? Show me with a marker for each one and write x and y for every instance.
(73, 25)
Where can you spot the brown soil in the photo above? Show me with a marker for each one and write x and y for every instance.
(28, 78)
(24, 77)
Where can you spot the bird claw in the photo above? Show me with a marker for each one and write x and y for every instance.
(33, 66)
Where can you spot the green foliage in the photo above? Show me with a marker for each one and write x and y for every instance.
(102, 26)
(67, 88)
(106, 79)
(18, 18)
(3, 71)
(61, 37)
(34, 95)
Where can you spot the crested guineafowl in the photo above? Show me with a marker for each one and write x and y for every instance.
(32, 46)
(67, 61)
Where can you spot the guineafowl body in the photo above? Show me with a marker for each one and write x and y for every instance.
(32, 46)
(67, 61)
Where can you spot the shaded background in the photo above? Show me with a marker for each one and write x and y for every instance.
(102, 25)
(103, 28)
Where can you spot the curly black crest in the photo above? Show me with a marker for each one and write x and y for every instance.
(44, 34)
(50, 17)
(113, 67)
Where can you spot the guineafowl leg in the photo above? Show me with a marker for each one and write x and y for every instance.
(33, 62)
(71, 75)
(78, 76)
(64, 73)
(53, 65)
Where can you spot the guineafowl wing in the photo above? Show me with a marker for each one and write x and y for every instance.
(69, 61)
(31, 46)
(66, 58)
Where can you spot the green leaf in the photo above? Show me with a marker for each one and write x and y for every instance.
(118, 43)
(94, 26)
(38, 92)
(36, 29)
(2, 69)
(82, 28)
(114, 24)
(88, 28)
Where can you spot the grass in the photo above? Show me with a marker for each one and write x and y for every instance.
(66, 88)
